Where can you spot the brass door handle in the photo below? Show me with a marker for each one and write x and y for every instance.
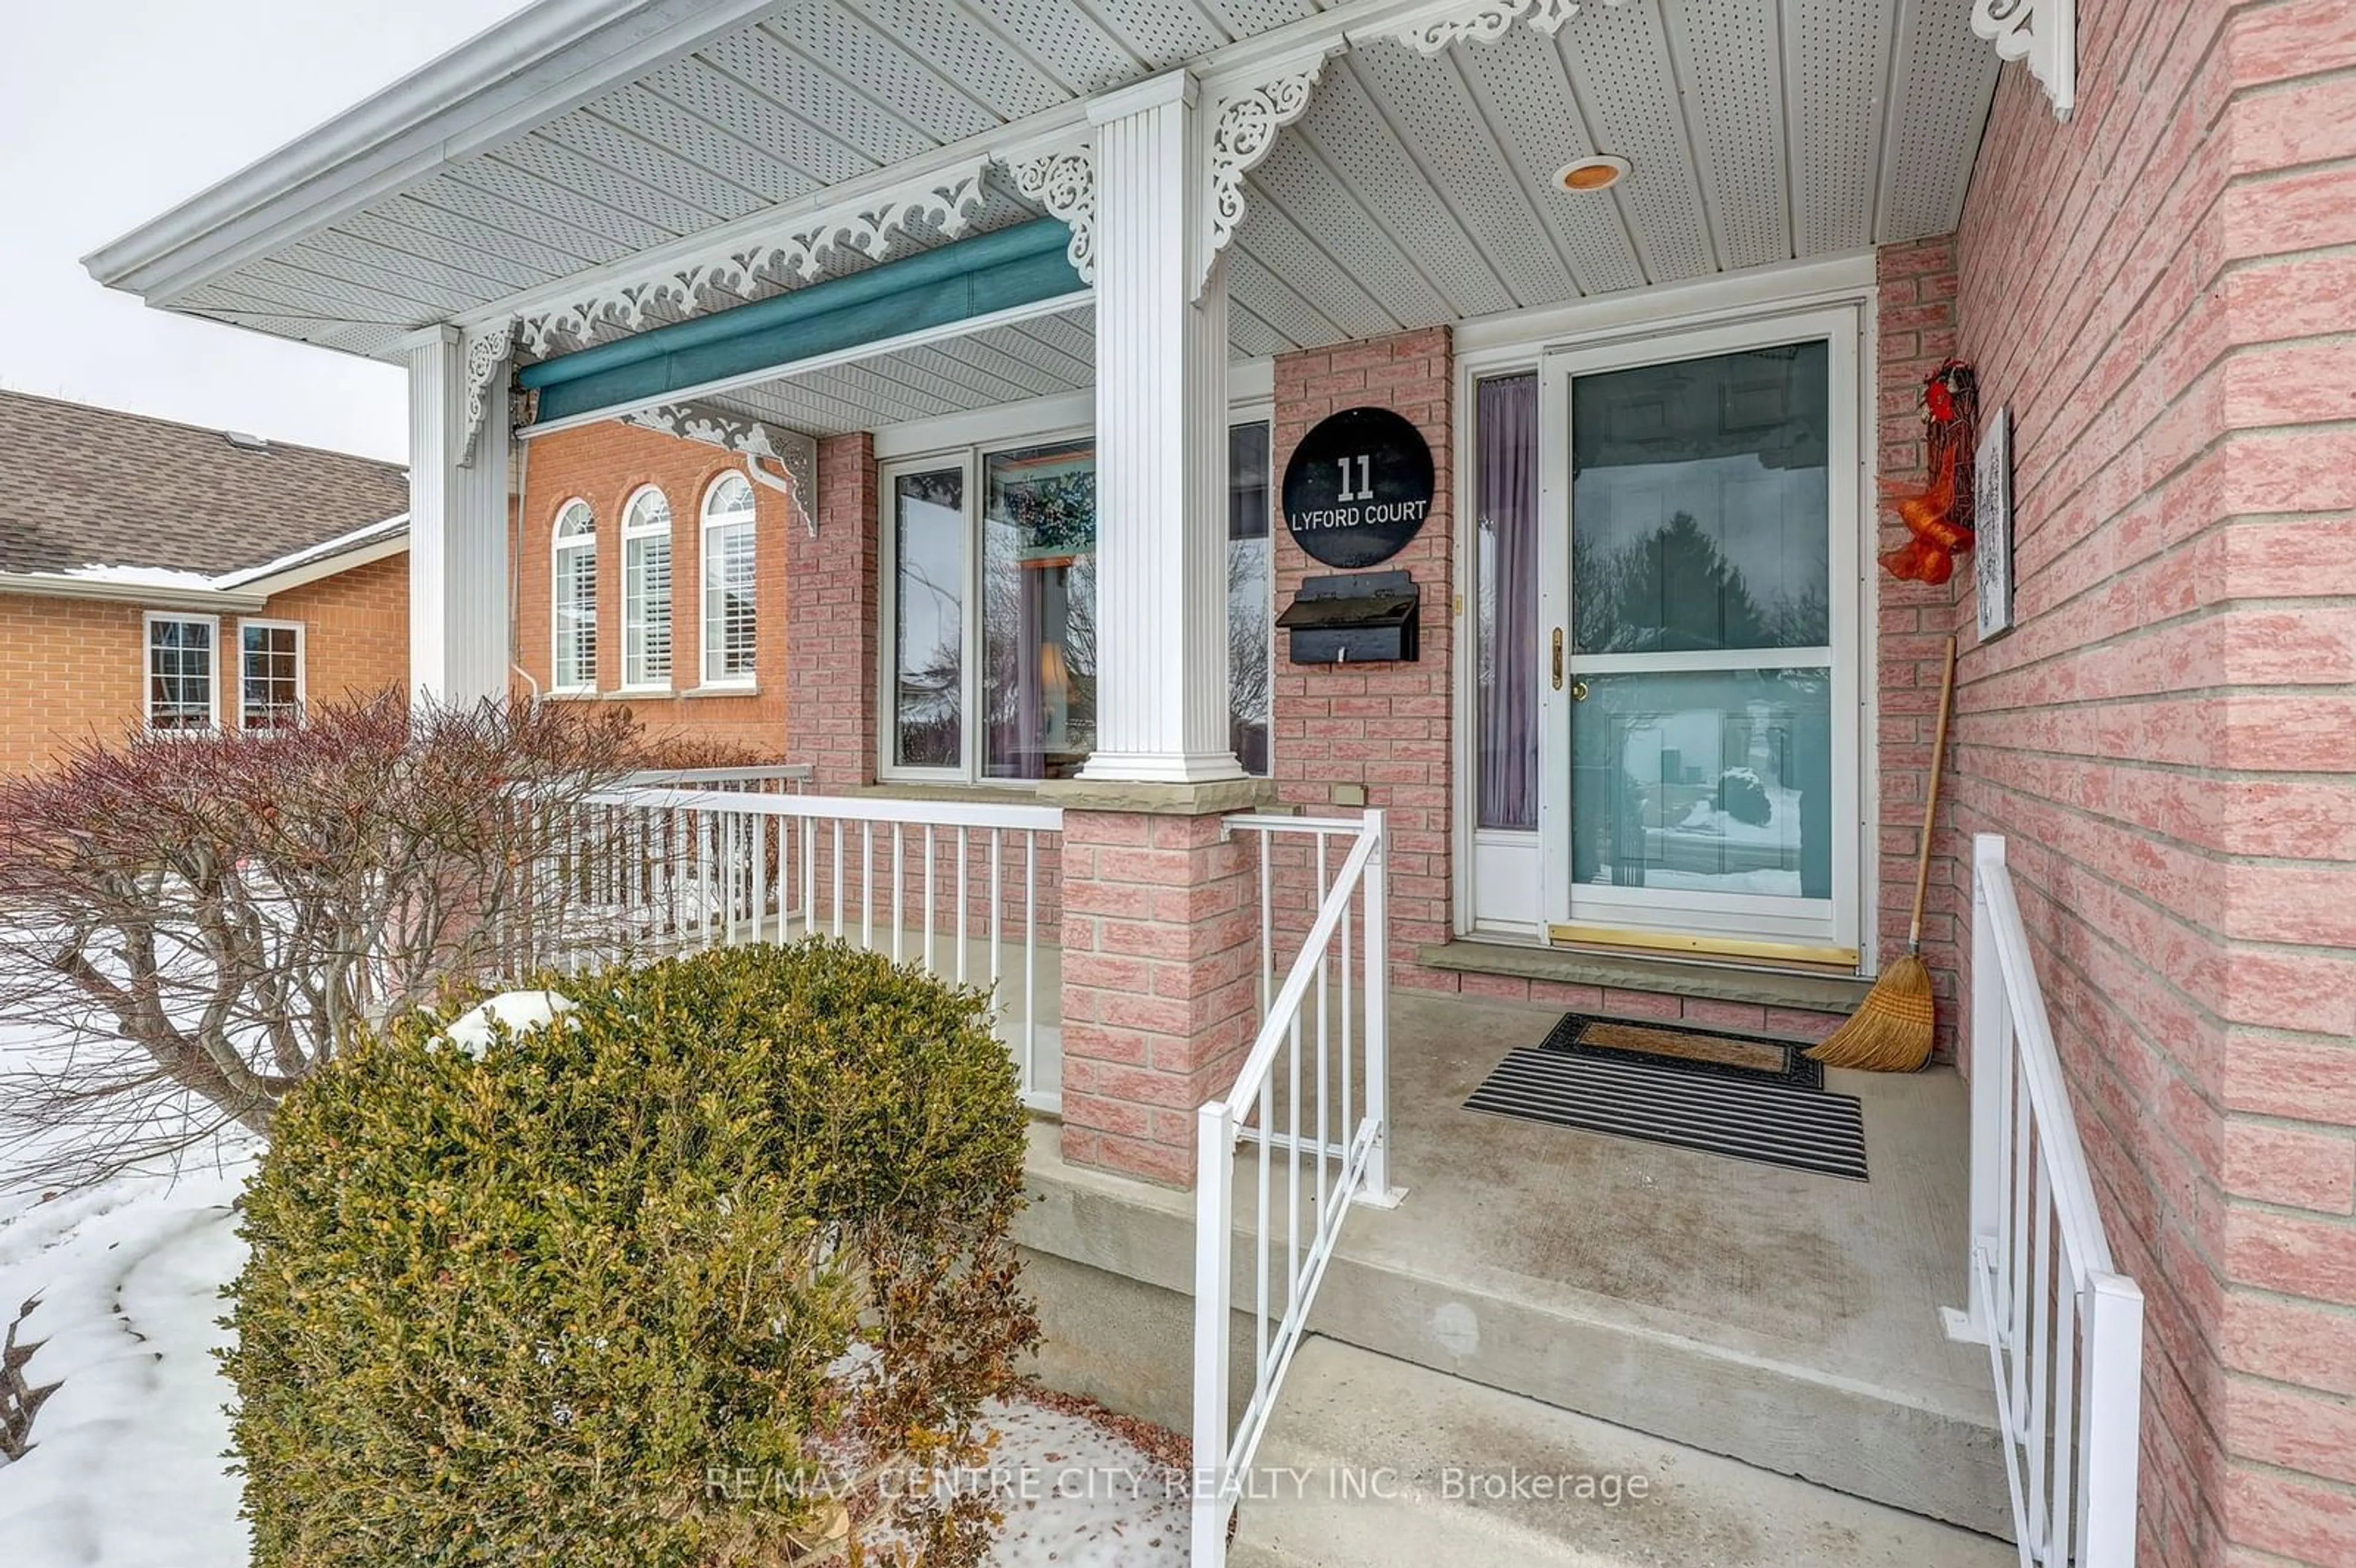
(1557, 658)
(1579, 691)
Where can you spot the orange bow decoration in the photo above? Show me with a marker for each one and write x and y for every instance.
(1939, 519)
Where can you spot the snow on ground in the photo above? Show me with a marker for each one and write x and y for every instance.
(127, 1469)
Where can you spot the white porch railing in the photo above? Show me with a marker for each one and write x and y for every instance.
(765, 778)
(956, 886)
(2064, 1328)
(1312, 1098)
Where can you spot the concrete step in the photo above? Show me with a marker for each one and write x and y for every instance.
(1370, 1461)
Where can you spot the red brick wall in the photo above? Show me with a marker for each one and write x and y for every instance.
(2161, 291)
(75, 670)
(605, 465)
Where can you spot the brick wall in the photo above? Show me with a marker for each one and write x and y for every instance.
(2160, 290)
(71, 670)
(605, 464)
(1386, 727)
(75, 670)
(355, 630)
(834, 617)
(1914, 321)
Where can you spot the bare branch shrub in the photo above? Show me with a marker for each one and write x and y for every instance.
(190, 924)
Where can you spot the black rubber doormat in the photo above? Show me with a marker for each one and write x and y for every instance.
(1751, 1118)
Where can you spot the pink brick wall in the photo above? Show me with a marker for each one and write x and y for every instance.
(2160, 290)
(1384, 727)
(1914, 319)
(831, 622)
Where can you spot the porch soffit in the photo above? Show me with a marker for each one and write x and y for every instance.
(1415, 188)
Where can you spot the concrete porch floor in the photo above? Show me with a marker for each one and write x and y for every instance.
(1840, 1280)
(1785, 1319)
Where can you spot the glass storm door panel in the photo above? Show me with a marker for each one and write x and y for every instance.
(1706, 721)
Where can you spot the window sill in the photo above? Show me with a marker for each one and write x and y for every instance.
(742, 689)
(573, 694)
(999, 794)
(623, 693)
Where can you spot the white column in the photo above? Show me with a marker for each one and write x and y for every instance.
(1162, 450)
(457, 529)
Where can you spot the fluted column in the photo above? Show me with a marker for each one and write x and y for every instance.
(458, 525)
(1161, 449)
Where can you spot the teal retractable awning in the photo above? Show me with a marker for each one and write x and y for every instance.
(957, 281)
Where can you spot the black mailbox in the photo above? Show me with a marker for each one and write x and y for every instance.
(1358, 619)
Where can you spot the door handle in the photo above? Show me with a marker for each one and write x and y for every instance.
(1579, 691)
(1557, 658)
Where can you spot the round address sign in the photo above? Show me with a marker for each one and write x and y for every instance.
(1358, 487)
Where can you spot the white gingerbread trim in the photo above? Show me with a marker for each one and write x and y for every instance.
(946, 198)
(1243, 126)
(790, 448)
(2044, 33)
(485, 362)
(1486, 22)
(1065, 182)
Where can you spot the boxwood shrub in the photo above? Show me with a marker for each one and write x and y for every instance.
(701, 1272)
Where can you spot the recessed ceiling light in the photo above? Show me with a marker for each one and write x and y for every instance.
(1597, 173)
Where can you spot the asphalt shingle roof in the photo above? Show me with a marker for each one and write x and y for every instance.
(85, 486)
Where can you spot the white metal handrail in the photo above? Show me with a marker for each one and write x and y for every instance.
(963, 888)
(1334, 1107)
(2063, 1327)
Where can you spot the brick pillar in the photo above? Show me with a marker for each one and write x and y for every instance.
(1160, 956)
(832, 618)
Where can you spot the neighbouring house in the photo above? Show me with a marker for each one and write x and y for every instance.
(1302, 541)
(168, 577)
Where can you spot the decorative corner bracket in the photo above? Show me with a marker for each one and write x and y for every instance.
(790, 448)
(1486, 22)
(687, 286)
(486, 357)
(1064, 181)
(2044, 33)
(1243, 126)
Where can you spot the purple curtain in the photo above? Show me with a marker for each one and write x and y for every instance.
(1507, 485)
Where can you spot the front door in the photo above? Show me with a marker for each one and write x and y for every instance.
(1700, 643)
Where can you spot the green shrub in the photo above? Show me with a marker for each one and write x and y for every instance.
(613, 1294)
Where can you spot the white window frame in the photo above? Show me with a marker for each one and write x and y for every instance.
(147, 671)
(1263, 411)
(706, 583)
(560, 545)
(635, 680)
(972, 459)
(302, 671)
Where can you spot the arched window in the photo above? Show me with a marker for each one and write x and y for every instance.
(728, 613)
(573, 605)
(646, 590)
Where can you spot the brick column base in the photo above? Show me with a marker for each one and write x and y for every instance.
(1161, 958)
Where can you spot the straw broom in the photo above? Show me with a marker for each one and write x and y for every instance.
(1892, 1031)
